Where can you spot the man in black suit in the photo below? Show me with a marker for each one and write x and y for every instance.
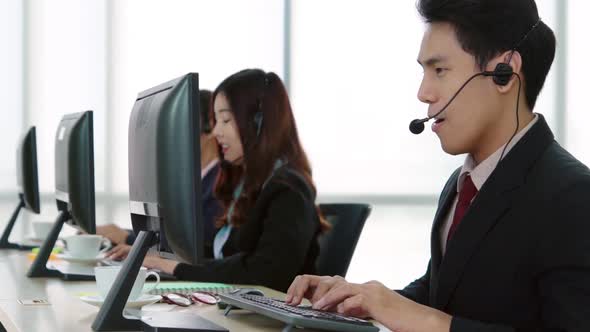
(510, 243)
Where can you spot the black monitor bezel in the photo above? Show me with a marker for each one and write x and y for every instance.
(150, 216)
(79, 170)
(27, 171)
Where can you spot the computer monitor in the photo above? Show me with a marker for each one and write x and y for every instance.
(164, 160)
(74, 170)
(74, 187)
(164, 187)
(28, 185)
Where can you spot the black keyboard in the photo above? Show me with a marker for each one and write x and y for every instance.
(303, 316)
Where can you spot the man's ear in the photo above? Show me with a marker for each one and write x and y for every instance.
(514, 59)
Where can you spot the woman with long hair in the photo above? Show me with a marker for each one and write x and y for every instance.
(269, 227)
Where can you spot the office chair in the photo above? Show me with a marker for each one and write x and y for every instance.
(338, 244)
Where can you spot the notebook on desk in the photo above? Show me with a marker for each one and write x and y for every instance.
(188, 287)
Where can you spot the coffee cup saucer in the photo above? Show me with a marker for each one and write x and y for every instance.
(82, 260)
(144, 299)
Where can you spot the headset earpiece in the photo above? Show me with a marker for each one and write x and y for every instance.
(502, 73)
(258, 117)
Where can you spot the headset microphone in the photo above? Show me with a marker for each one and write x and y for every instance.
(417, 125)
(501, 75)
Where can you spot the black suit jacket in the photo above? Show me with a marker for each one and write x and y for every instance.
(520, 258)
(211, 206)
(276, 243)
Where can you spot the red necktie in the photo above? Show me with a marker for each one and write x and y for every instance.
(468, 191)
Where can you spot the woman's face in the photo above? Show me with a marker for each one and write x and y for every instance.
(226, 131)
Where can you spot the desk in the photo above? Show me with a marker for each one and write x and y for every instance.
(66, 313)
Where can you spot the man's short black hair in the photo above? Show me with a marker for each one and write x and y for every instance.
(487, 28)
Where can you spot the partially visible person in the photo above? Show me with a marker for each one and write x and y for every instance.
(124, 238)
(270, 223)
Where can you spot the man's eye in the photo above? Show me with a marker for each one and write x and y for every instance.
(440, 71)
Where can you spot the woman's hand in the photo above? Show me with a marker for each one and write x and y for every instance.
(161, 264)
(118, 252)
(113, 232)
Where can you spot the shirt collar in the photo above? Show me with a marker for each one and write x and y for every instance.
(208, 168)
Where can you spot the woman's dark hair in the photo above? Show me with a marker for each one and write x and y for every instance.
(487, 28)
(204, 105)
(262, 112)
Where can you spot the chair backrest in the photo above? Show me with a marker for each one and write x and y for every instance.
(338, 244)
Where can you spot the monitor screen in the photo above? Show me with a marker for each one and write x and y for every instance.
(26, 171)
(74, 170)
(164, 168)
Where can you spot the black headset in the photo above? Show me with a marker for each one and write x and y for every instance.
(501, 76)
(259, 116)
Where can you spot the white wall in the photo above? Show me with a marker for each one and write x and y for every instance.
(65, 73)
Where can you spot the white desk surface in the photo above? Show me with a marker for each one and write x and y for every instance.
(67, 313)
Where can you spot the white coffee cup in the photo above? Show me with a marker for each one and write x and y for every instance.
(106, 276)
(41, 229)
(86, 246)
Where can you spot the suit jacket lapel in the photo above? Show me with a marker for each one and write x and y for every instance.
(446, 199)
(492, 202)
(484, 212)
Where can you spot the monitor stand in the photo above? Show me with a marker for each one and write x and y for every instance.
(39, 267)
(4, 243)
(112, 315)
